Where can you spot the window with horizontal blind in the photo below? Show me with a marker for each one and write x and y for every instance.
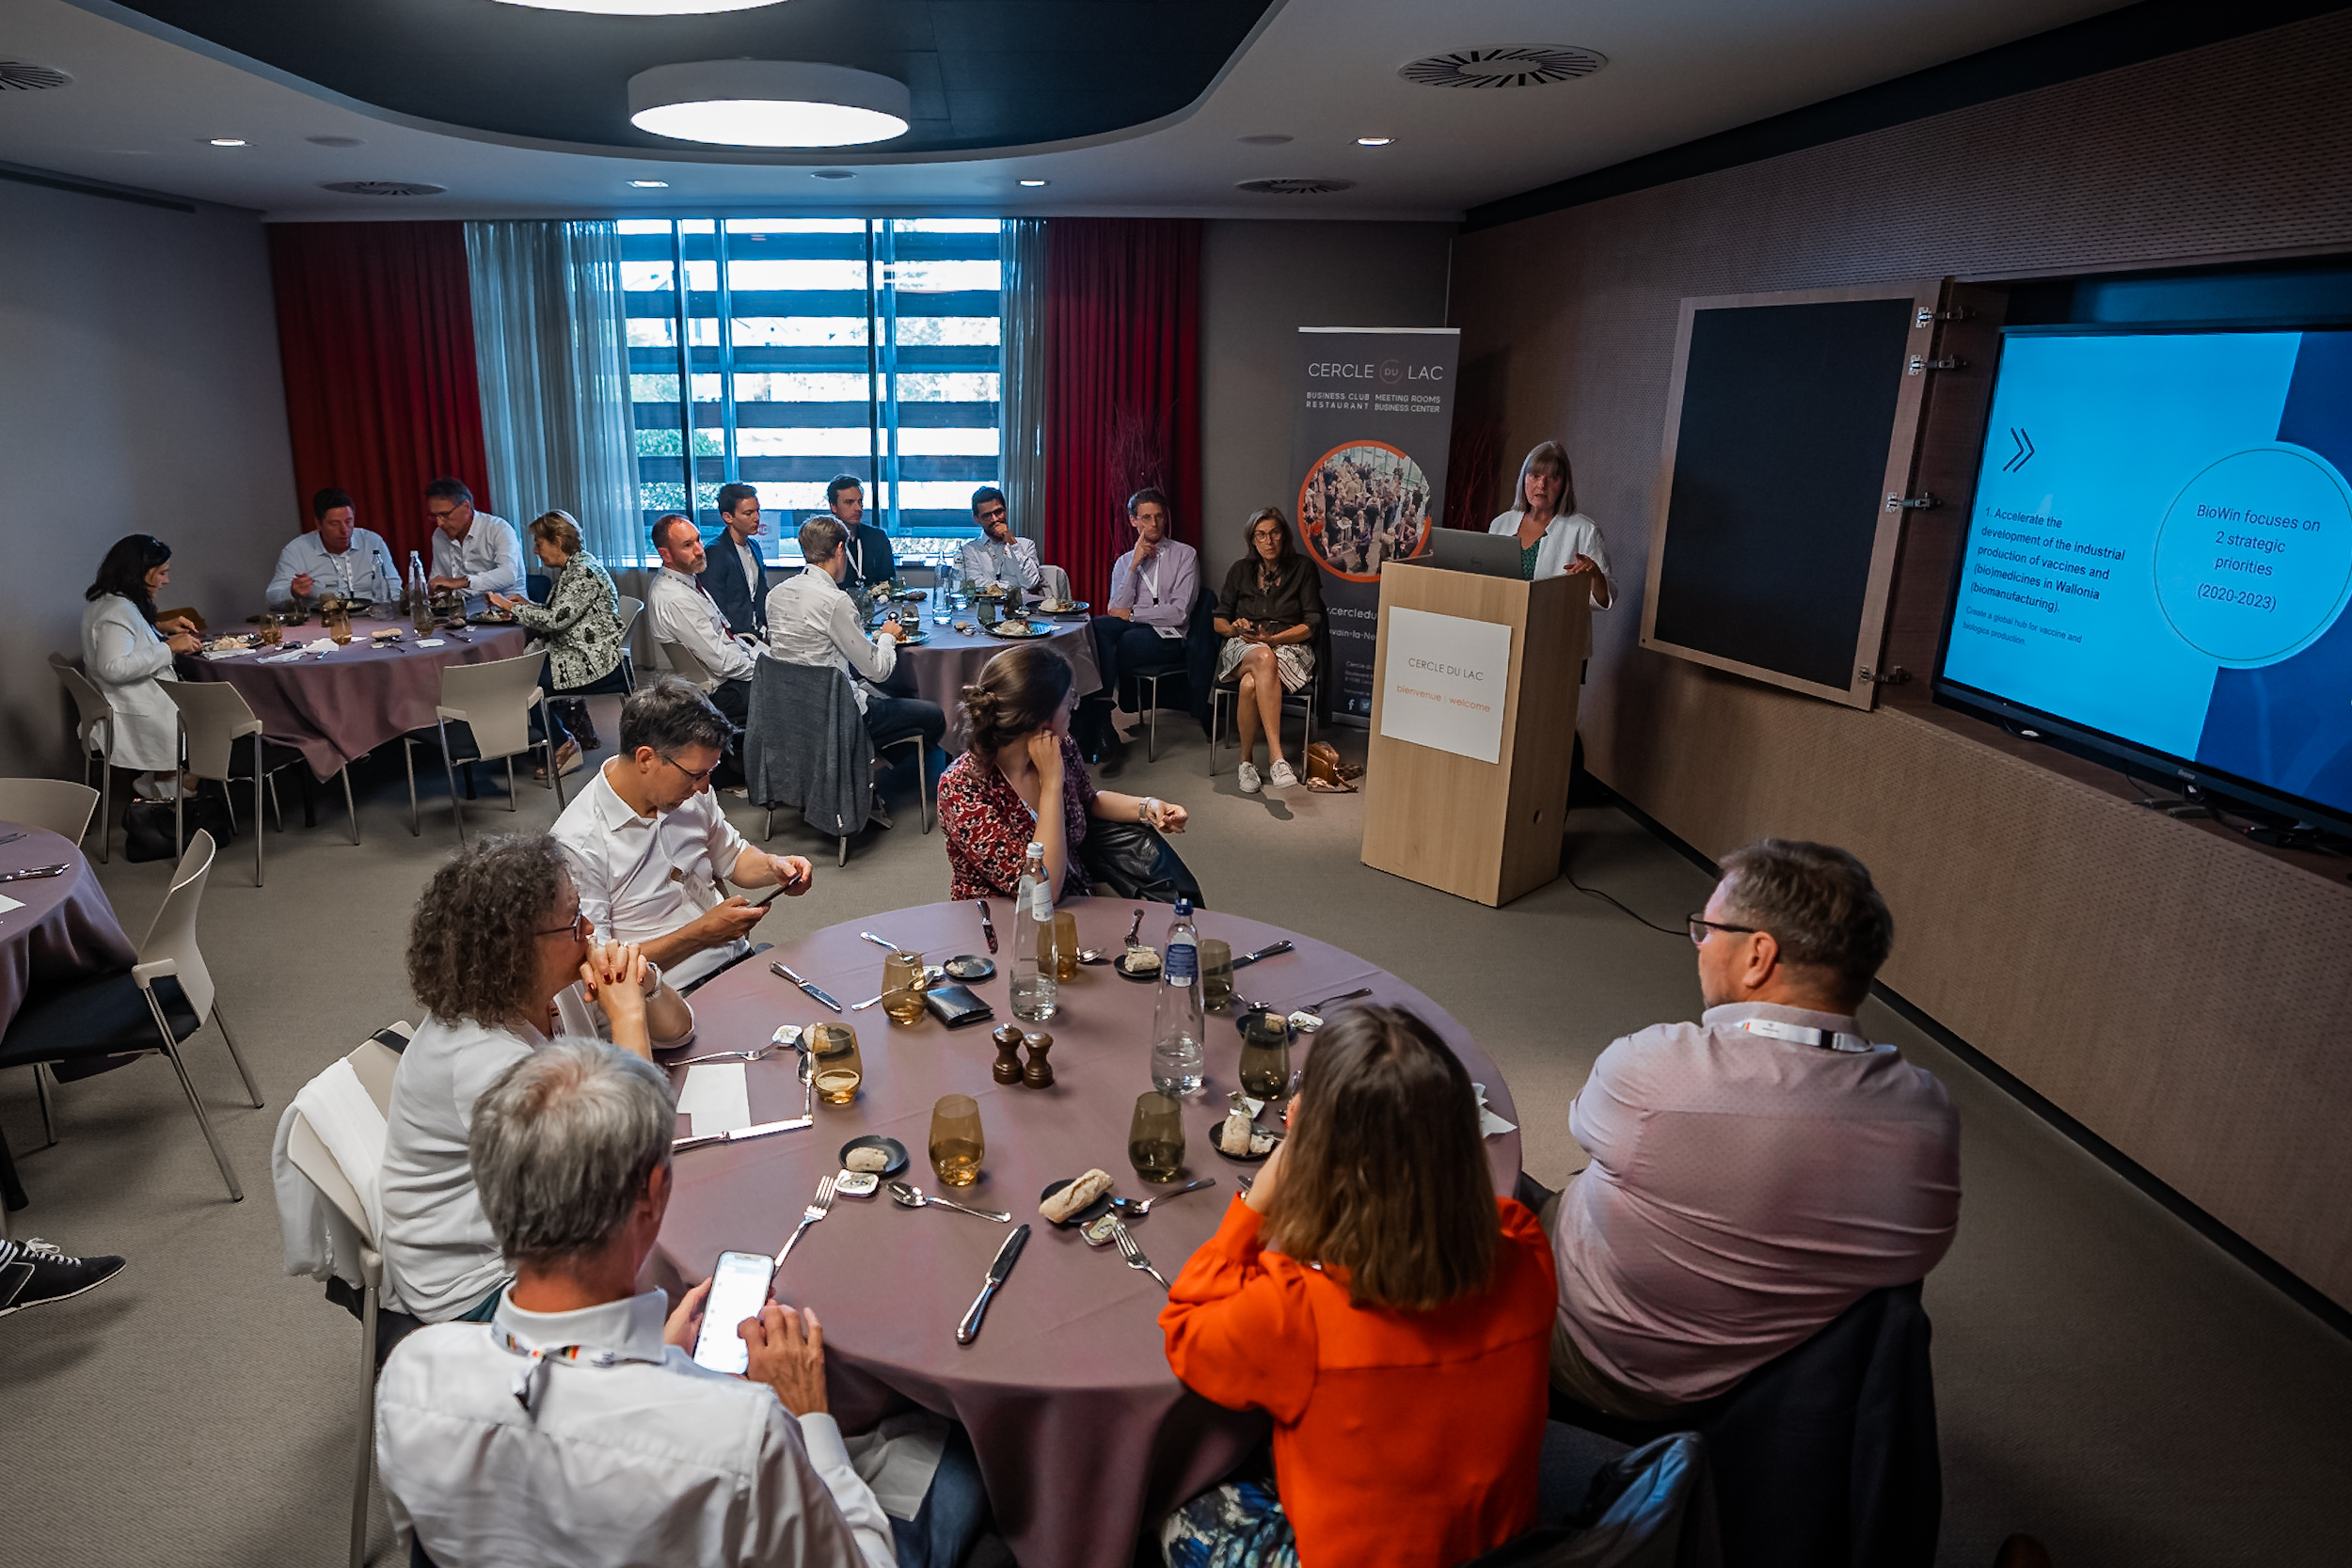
(801, 348)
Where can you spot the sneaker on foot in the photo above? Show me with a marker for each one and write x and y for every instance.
(1281, 777)
(35, 1273)
(1250, 778)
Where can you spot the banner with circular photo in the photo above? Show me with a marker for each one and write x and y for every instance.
(1362, 504)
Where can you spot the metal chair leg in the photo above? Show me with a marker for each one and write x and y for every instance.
(187, 1086)
(366, 1478)
(408, 756)
(260, 778)
(236, 1055)
(844, 859)
(555, 775)
(769, 833)
(923, 780)
(106, 803)
(344, 773)
(48, 1121)
(455, 809)
(512, 803)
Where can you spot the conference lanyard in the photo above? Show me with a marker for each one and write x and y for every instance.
(1150, 579)
(532, 1376)
(1797, 1034)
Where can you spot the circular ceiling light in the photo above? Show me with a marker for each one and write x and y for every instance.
(1032, 184)
(768, 103)
(650, 184)
(227, 141)
(644, 8)
(1374, 141)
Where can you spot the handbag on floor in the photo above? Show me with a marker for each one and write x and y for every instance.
(1133, 862)
(147, 826)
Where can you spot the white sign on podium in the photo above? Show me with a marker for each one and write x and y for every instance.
(1447, 676)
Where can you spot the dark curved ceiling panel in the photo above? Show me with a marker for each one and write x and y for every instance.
(984, 73)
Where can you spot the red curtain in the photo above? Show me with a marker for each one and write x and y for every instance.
(1123, 384)
(375, 329)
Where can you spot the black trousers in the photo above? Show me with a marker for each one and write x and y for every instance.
(887, 716)
(1123, 646)
(733, 698)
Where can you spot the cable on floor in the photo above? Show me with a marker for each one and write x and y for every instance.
(1683, 931)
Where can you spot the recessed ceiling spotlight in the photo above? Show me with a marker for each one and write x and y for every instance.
(1271, 138)
(650, 184)
(769, 104)
(832, 174)
(227, 141)
(1374, 141)
(334, 141)
(1032, 184)
(645, 8)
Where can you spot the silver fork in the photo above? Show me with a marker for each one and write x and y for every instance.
(761, 1054)
(817, 1209)
(1134, 1254)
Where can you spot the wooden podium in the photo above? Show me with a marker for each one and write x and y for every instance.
(1488, 830)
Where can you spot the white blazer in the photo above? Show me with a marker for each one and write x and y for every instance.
(1563, 541)
(128, 659)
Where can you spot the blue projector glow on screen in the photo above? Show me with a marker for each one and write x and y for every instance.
(2160, 550)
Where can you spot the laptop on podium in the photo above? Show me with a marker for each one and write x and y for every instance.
(1493, 555)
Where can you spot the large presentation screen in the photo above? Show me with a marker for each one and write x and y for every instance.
(2160, 551)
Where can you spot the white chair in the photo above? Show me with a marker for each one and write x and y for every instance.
(1222, 695)
(59, 805)
(1053, 584)
(94, 730)
(135, 1014)
(374, 1063)
(684, 663)
(630, 610)
(214, 716)
(493, 701)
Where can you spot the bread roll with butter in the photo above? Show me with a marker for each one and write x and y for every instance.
(1075, 1197)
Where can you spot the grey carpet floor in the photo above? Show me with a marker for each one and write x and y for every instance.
(2105, 1378)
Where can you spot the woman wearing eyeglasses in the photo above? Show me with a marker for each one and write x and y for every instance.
(504, 961)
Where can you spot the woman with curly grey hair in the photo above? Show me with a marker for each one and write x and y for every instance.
(503, 962)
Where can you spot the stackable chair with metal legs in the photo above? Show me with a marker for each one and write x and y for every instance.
(95, 729)
(485, 712)
(59, 805)
(214, 716)
(1224, 696)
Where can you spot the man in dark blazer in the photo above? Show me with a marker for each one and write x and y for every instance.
(870, 560)
(736, 577)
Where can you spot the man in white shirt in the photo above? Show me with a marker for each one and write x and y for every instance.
(998, 556)
(734, 573)
(1153, 589)
(341, 558)
(811, 621)
(648, 845)
(684, 613)
(575, 1428)
(473, 552)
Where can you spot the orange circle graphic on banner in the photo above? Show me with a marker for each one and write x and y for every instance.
(1362, 504)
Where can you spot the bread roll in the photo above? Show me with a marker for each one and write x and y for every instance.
(1075, 1197)
(869, 1158)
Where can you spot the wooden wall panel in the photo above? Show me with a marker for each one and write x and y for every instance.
(2180, 993)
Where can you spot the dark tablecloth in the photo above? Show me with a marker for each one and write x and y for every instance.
(342, 706)
(951, 660)
(1083, 1436)
(66, 930)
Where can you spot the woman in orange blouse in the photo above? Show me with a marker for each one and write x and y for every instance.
(1392, 1315)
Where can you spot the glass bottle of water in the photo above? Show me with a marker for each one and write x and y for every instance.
(1035, 993)
(1176, 1029)
(420, 595)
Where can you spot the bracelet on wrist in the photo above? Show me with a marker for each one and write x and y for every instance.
(653, 979)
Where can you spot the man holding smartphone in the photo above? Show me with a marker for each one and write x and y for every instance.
(571, 1152)
(648, 845)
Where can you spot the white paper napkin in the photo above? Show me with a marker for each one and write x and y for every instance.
(8, 903)
(435, 642)
(281, 659)
(1488, 1123)
(717, 1097)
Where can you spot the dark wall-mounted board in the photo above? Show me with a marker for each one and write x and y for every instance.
(1792, 422)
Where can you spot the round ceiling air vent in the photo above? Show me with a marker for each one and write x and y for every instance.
(1525, 66)
(1295, 187)
(382, 187)
(334, 141)
(1265, 139)
(24, 76)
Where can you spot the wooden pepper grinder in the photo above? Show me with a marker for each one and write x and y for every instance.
(1007, 1068)
(1039, 1074)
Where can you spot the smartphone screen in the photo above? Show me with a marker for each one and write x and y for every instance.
(763, 897)
(739, 1288)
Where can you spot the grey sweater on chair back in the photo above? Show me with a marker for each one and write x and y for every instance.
(806, 746)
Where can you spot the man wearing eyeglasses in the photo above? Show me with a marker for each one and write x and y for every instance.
(999, 557)
(1758, 1172)
(648, 845)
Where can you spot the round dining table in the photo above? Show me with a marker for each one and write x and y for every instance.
(337, 705)
(947, 660)
(53, 929)
(1084, 1438)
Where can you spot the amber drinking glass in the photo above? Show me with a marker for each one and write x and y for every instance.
(1155, 1138)
(902, 987)
(957, 1147)
(266, 631)
(1065, 946)
(834, 1062)
(338, 625)
(1216, 973)
(1265, 1056)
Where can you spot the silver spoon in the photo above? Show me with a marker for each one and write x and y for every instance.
(908, 1196)
(861, 1007)
(1141, 1207)
(1093, 955)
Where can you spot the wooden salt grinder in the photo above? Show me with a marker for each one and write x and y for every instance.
(1039, 1074)
(1007, 1068)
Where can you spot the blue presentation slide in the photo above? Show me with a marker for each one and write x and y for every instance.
(2161, 547)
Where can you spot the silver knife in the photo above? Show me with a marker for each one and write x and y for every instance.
(988, 926)
(36, 873)
(760, 1131)
(814, 994)
(1006, 1255)
(1267, 952)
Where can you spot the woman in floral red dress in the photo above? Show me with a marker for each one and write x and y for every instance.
(991, 799)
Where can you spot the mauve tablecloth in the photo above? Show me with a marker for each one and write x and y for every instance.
(951, 660)
(342, 706)
(66, 930)
(1084, 1436)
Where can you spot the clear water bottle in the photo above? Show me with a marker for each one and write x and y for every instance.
(1176, 1031)
(420, 595)
(1035, 993)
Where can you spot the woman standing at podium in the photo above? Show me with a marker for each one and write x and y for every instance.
(1555, 539)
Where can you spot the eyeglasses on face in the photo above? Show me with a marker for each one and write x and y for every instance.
(1699, 925)
(700, 778)
(579, 929)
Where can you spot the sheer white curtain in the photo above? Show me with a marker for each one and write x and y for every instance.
(1024, 429)
(552, 349)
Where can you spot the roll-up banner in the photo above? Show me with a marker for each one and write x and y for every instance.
(1376, 415)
